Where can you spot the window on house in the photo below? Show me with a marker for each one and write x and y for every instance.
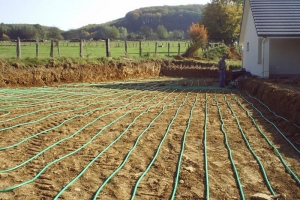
(259, 55)
(247, 46)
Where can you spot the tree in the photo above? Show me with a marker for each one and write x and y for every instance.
(113, 33)
(84, 34)
(123, 32)
(228, 2)
(54, 33)
(146, 31)
(153, 36)
(15, 32)
(198, 34)
(131, 36)
(176, 35)
(71, 34)
(222, 19)
(199, 37)
(3, 29)
(162, 32)
(40, 31)
(28, 32)
(101, 32)
(5, 37)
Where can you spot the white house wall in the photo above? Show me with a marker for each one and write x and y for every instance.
(285, 57)
(265, 62)
(250, 57)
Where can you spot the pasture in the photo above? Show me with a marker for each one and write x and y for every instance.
(92, 49)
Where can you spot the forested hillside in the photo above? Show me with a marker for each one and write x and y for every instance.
(171, 17)
(160, 22)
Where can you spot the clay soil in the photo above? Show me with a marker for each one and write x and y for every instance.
(128, 131)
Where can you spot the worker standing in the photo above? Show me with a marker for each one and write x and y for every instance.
(222, 71)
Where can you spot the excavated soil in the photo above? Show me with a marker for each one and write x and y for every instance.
(124, 131)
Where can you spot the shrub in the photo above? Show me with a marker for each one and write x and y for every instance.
(199, 37)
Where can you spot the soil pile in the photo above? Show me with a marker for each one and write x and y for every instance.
(280, 95)
(52, 74)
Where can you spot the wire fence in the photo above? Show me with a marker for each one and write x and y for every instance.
(92, 48)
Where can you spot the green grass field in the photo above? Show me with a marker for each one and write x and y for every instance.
(91, 49)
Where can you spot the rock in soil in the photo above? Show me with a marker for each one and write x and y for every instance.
(261, 196)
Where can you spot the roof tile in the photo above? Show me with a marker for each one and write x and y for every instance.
(276, 17)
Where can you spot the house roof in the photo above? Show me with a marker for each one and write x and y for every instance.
(276, 18)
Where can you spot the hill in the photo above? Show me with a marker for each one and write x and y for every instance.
(173, 18)
(141, 23)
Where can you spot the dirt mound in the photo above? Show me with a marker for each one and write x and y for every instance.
(281, 96)
(233, 53)
(53, 74)
(11, 76)
(191, 69)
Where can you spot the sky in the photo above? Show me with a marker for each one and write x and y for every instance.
(73, 14)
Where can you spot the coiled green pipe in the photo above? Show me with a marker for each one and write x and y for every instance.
(249, 147)
(71, 136)
(135, 144)
(112, 143)
(69, 119)
(229, 150)
(298, 151)
(157, 152)
(182, 146)
(205, 149)
(270, 144)
(46, 109)
(69, 154)
(271, 110)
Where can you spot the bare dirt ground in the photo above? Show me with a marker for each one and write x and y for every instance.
(148, 138)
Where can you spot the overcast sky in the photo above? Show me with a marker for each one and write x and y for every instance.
(73, 14)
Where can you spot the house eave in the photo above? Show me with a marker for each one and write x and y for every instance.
(242, 31)
(285, 36)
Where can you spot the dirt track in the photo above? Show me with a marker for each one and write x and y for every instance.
(169, 129)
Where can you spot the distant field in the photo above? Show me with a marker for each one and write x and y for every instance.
(92, 49)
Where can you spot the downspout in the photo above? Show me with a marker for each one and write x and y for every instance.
(263, 56)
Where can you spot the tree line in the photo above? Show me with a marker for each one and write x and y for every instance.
(221, 18)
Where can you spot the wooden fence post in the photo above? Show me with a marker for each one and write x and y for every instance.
(18, 48)
(155, 52)
(126, 48)
(168, 49)
(58, 49)
(37, 49)
(140, 48)
(178, 48)
(81, 49)
(107, 41)
(51, 49)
